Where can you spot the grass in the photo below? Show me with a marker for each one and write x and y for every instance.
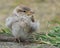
(4, 30)
(52, 38)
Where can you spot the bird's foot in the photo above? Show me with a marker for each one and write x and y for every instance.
(24, 41)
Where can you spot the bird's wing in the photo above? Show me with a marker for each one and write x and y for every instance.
(34, 26)
(10, 21)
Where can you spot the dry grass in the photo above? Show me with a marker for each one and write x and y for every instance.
(45, 10)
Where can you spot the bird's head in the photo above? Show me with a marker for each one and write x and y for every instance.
(24, 9)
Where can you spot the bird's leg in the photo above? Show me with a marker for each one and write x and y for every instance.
(15, 39)
(24, 41)
(18, 40)
(21, 39)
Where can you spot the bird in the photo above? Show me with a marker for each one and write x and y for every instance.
(22, 23)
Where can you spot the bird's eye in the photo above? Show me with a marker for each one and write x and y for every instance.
(24, 11)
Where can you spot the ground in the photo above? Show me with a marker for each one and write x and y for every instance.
(17, 45)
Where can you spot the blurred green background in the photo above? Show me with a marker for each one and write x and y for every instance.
(46, 11)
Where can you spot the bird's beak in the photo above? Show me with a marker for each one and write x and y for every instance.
(30, 13)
